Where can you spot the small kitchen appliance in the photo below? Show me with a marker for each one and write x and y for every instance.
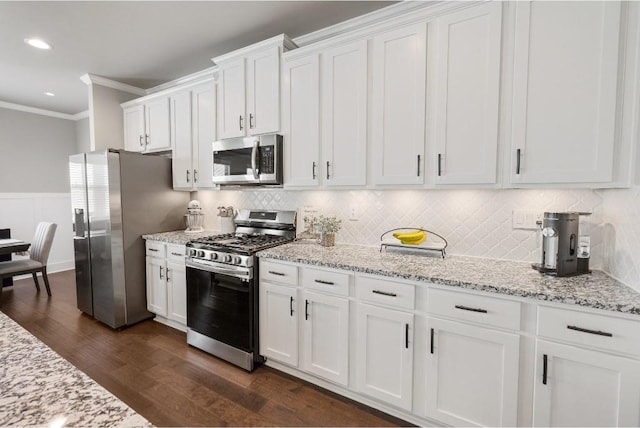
(194, 218)
(222, 285)
(248, 161)
(560, 232)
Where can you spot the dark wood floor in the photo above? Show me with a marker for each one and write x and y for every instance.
(151, 368)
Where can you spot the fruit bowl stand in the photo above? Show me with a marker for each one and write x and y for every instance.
(388, 241)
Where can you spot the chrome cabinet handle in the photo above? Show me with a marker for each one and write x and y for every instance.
(586, 330)
(406, 336)
(146, 139)
(319, 281)
(161, 272)
(418, 174)
(431, 341)
(439, 164)
(141, 145)
(313, 170)
(544, 369)
(176, 254)
(153, 249)
(272, 272)
(168, 279)
(518, 155)
(328, 164)
(306, 309)
(290, 306)
(188, 176)
(240, 121)
(251, 121)
(195, 175)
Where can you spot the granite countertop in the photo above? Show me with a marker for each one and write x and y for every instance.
(595, 290)
(41, 388)
(178, 236)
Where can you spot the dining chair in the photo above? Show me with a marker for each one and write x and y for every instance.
(38, 256)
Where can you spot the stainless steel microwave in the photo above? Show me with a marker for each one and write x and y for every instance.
(248, 161)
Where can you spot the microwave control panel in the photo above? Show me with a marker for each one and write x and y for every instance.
(267, 160)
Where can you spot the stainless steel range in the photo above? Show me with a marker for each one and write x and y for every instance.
(222, 286)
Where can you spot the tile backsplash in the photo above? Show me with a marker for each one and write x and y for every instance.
(621, 232)
(475, 222)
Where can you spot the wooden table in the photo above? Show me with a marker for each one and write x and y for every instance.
(8, 246)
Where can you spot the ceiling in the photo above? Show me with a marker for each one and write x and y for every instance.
(142, 43)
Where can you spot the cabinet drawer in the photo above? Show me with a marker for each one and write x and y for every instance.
(176, 253)
(155, 249)
(277, 272)
(583, 328)
(386, 292)
(476, 309)
(327, 281)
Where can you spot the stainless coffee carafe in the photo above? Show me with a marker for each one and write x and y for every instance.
(559, 244)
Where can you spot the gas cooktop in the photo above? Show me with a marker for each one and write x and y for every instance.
(246, 243)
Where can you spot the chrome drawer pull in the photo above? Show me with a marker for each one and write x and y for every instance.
(384, 293)
(586, 330)
(466, 308)
(544, 369)
(177, 254)
(153, 249)
(319, 281)
(276, 273)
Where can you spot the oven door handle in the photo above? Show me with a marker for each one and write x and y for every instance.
(254, 159)
(246, 276)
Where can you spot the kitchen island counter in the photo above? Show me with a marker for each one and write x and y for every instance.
(595, 290)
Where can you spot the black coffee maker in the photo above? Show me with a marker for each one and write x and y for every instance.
(560, 245)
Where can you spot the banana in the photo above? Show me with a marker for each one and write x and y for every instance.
(416, 234)
(411, 238)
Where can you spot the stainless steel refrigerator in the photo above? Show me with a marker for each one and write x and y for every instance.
(116, 197)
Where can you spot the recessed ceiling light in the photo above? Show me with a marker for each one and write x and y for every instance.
(37, 43)
(51, 94)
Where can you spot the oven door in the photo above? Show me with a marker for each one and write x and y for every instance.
(220, 306)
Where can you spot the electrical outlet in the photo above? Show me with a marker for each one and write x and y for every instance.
(526, 219)
(354, 213)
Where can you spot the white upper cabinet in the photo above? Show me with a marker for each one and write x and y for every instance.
(564, 92)
(193, 132)
(249, 89)
(147, 125)
(344, 114)
(301, 112)
(398, 105)
(466, 87)
(231, 99)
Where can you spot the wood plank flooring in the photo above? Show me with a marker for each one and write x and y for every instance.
(150, 367)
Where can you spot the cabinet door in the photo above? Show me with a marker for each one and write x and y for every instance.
(156, 286)
(472, 375)
(301, 94)
(579, 387)
(467, 88)
(325, 339)
(177, 292)
(181, 136)
(134, 138)
(231, 99)
(344, 114)
(564, 91)
(279, 323)
(204, 134)
(398, 106)
(263, 92)
(384, 349)
(157, 124)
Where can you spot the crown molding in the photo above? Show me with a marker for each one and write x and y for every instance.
(90, 79)
(279, 40)
(34, 110)
(193, 78)
(81, 115)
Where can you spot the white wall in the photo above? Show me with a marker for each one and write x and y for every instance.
(83, 136)
(105, 116)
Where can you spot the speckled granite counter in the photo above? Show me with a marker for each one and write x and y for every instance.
(41, 388)
(596, 290)
(178, 236)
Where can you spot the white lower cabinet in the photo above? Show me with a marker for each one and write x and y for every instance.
(167, 283)
(325, 337)
(278, 322)
(472, 374)
(384, 348)
(580, 387)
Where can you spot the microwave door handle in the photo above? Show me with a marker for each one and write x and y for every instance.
(254, 159)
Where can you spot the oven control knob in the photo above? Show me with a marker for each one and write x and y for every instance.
(192, 252)
(237, 260)
(214, 256)
(227, 258)
(200, 253)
